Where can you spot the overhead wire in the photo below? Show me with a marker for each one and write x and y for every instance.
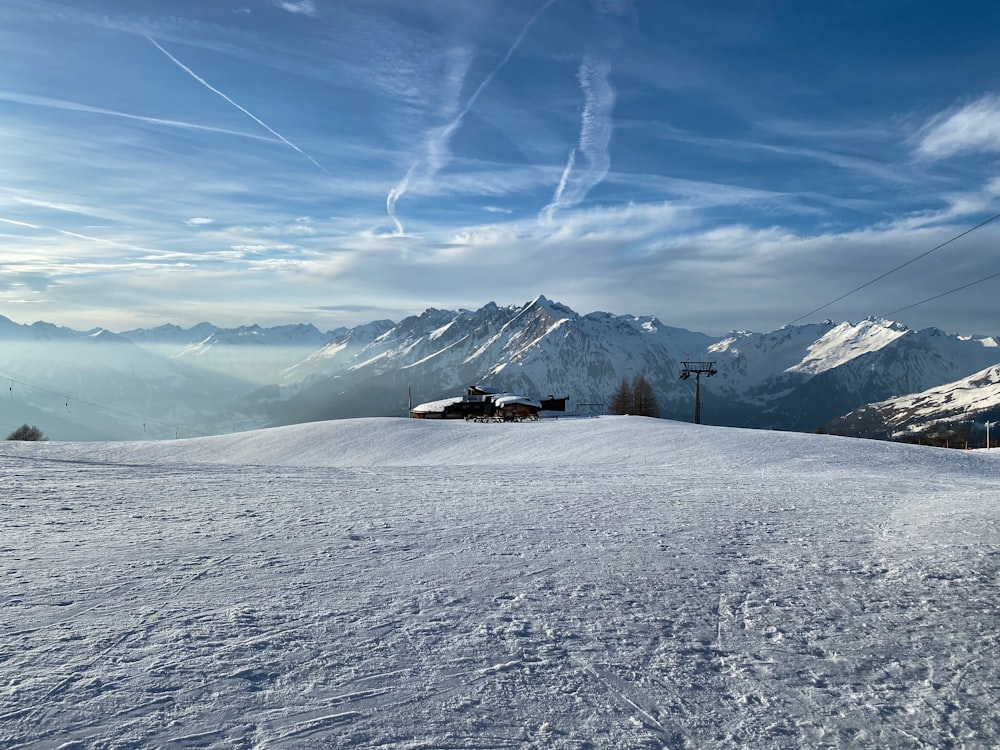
(924, 254)
(93, 404)
(145, 420)
(944, 294)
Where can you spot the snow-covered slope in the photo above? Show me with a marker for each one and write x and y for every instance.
(800, 377)
(608, 583)
(344, 345)
(970, 401)
(845, 342)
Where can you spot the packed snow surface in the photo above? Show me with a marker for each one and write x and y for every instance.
(616, 582)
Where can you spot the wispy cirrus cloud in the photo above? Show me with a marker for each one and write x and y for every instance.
(301, 7)
(973, 128)
(49, 205)
(436, 147)
(32, 280)
(612, 7)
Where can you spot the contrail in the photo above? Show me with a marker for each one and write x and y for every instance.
(550, 209)
(506, 58)
(394, 195)
(595, 138)
(78, 236)
(41, 101)
(439, 141)
(596, 120)
(245, 111)
(19, 223)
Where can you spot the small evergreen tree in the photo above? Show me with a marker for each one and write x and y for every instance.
(27, 432)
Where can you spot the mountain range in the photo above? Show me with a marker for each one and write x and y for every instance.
(171, 381)
(965, 406)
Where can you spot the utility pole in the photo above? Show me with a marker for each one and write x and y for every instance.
(697, 369)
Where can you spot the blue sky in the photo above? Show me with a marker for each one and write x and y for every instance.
(720, 165)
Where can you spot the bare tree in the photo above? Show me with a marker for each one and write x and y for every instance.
(634, 397)
(643, 399)
(621, 399)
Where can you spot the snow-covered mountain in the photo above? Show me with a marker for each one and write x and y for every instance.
(99, 385)
(801, 377)
(796, 378)
(344, 344)
(540, 348)
(969, 401)
(258, 355)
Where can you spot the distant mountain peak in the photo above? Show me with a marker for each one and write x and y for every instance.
(796, 377)
(884, 323)
(555, 309)
(104, 335)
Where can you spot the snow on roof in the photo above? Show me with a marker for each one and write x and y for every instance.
(436, 406)
(510, 400)
(487, 389)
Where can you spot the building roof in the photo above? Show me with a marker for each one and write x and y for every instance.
(432, 407)
(511, 399)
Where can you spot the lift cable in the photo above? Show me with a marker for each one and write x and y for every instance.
(102, 407)
(944, 294)
(901, 266)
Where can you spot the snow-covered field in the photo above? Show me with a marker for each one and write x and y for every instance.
(607, 583)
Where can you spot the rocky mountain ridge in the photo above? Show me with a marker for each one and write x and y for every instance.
(796, 378)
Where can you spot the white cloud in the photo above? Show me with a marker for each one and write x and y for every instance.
(302, 7)
(973, 128)
(198, 221)
(260, 249)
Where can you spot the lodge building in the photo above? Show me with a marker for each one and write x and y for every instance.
(482, 404)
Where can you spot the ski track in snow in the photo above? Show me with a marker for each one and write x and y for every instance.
(725, 588)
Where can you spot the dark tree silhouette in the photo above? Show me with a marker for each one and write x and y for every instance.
(27, 432)
(643, 399)
(634, 397)
(621, 399)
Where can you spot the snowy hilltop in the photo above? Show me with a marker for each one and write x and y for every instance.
(616, 582)
(206, 380)
(966, 404)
